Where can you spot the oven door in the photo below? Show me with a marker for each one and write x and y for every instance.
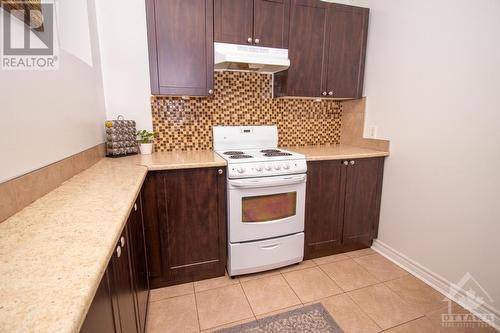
(266, 207)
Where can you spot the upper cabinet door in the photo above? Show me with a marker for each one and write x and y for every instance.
(348, 29)
(271, 19)
(233, 20)
(307, 38)
(180, 35)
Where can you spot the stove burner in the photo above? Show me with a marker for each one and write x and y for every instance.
(233, 153)
(240, 156)
(267, 151)
(277, 154)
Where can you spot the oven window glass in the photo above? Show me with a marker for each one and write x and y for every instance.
(264, 208)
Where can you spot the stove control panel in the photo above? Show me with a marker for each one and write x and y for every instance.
(265, 169)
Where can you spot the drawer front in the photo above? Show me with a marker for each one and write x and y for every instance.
(251, 257)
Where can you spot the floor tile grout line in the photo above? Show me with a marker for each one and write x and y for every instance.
(257, 277)
(163, 299)
(298, 269)
(377, 279)
(338, 284)
(323, 298)
(421, 314)
(197, 312)
(366, 313)
(248, 301)
(289, 286)
(332, 262)
(226, 324)
(406, 322)
(218, 287)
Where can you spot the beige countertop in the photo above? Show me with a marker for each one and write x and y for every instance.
(54, 252)
(181, 160)
(335, 152)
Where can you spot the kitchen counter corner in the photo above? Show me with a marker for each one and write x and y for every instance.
(335, 152)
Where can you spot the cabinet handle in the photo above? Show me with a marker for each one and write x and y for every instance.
(330, 93)
(122, 241)
(346, 163)
(249, 40)
(257, 41)
(220, 171)
(323, 93)
(118, 251)
(210, 91)
(135, 207)
(352, 162)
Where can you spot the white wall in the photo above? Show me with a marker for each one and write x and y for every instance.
(433, 88)
(124, 56)
(47, 116)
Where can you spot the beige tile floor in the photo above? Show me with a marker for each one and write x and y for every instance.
(363, 291)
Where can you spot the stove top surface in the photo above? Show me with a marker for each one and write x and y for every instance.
(258, 155)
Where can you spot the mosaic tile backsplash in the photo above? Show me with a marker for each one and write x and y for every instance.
(243, 99)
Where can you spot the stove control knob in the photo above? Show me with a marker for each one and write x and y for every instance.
(241, 169)
(269, 167)
(286, 166)
(277, 166)
(259, 168)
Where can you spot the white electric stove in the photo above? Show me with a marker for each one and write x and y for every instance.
(266, 199)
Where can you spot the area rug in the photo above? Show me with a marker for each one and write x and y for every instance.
(309, 319)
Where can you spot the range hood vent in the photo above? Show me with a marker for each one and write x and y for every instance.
(264, 60)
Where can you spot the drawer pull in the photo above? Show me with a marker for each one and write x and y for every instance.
(270, 246)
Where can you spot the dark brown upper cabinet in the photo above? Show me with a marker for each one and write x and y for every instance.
(342, 205)
(181, 51)
(346, 51)
(327, 51)
(305, 50)
(252, 22)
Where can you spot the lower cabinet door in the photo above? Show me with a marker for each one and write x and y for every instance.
(121, 301)
(139, 264)
(193, 233)
(123, 290)
(324, 208)
(185, 225)
(362, 201)
(100, 315)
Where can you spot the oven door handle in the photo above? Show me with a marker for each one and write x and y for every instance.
(290, 180)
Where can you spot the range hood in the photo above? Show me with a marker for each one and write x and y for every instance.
(264, 60)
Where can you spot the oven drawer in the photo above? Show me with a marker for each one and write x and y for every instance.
(263, 255)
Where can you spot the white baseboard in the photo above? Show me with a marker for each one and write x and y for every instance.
(434, 280)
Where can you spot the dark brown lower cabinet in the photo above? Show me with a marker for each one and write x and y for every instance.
(139, 264)
(120, 303)
(342, 205)
(100, 317)
(122, 286)
(185, 215)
